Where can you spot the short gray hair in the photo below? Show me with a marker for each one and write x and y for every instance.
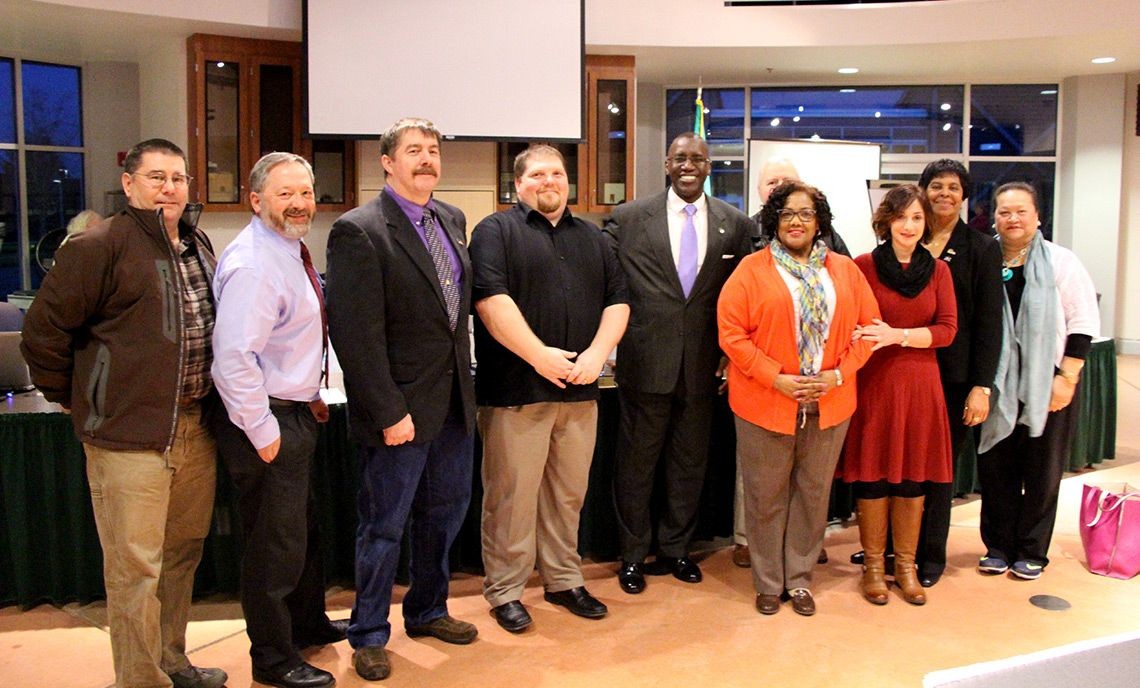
(391, 138)
(263, 167)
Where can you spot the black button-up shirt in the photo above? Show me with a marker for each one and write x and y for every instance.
(560, 277)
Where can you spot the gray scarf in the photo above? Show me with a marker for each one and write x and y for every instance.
(1025, 368)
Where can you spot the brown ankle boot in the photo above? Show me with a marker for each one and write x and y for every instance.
(872, 515)
(906, 521)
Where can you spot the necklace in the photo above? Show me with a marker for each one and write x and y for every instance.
(1008, 264)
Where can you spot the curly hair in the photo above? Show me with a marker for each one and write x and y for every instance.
(894, 205)
(770, 212)
(947, 166)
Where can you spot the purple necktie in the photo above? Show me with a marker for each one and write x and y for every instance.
(687, 258)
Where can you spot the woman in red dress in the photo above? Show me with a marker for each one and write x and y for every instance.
(899, 436)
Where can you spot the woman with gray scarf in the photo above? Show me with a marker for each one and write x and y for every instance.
(1050, 317)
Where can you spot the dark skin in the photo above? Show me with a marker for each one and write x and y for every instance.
(798, 237)
(688, 177)
(688, 181)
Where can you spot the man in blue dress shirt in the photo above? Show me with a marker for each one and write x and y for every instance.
(270, 347)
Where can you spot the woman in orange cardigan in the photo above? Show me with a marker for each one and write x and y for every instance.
(786, 318)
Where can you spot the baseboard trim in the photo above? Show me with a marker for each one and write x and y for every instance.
(1130, 347)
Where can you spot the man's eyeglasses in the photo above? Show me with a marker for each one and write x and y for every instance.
(805, 215)
(157, 180)
(697, 160)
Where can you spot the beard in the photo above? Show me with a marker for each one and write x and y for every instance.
(548, 201)
(291, 229)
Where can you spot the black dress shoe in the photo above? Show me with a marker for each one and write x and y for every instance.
(578, 601)
(332, 632)
(512, 616)
(631, 578)
(682, 568)
(304, 676)
(929, 580)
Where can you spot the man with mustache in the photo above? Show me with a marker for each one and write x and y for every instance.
(677, 248)
(552, 305)
(399, 295)
(269, 360)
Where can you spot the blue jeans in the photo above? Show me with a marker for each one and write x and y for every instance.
(430, 482)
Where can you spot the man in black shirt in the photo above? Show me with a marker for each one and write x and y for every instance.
(552, 306)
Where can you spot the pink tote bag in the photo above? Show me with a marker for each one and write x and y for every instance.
(1110, 529)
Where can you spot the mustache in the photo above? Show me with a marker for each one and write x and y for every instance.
(427, 169)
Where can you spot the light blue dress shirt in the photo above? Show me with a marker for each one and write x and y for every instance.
(267, 333)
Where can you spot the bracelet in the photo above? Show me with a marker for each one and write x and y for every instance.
(986, 390)
(838, 378)
(906, 338)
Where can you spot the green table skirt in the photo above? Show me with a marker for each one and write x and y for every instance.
(49, 549)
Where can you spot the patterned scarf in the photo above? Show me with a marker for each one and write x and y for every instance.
(812, 306)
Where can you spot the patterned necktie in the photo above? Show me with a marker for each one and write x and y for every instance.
(687, 256)
(315, 280)
(443, 269)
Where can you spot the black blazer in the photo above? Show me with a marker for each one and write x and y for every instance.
(666, 329)
(388, 321)
(974, 260)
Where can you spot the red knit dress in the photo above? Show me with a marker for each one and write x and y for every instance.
(899, 430)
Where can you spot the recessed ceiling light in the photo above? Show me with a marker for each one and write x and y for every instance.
(221, 65)
(878, 114)
(1049, 92)
(775, 122)
(946, 127)
(945, 107)
(846, 90)
(801, 108)
(796, 118)
(848, 70)
(1103, 60)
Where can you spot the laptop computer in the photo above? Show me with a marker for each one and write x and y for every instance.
(14, 376)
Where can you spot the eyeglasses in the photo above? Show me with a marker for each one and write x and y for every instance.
(697, 160)
(805, 215)
(157, 180)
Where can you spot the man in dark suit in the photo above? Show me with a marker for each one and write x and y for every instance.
(399, 299)
(676, 248)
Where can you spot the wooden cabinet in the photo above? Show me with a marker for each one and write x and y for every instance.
(245, 101)
(601, 169)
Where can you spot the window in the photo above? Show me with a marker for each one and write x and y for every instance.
(1000, 132)
(1013, 120)
(902, 119)
(46, 147)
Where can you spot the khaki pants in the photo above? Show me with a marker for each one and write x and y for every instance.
(153, 513)
(787, 484)
(536, 468)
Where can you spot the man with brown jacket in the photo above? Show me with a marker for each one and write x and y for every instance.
(119, 335)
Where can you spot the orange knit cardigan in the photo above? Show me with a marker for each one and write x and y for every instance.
(756, 319)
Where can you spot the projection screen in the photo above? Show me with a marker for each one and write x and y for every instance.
(488, 70)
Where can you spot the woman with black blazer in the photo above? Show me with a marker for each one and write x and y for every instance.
(968, 365)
